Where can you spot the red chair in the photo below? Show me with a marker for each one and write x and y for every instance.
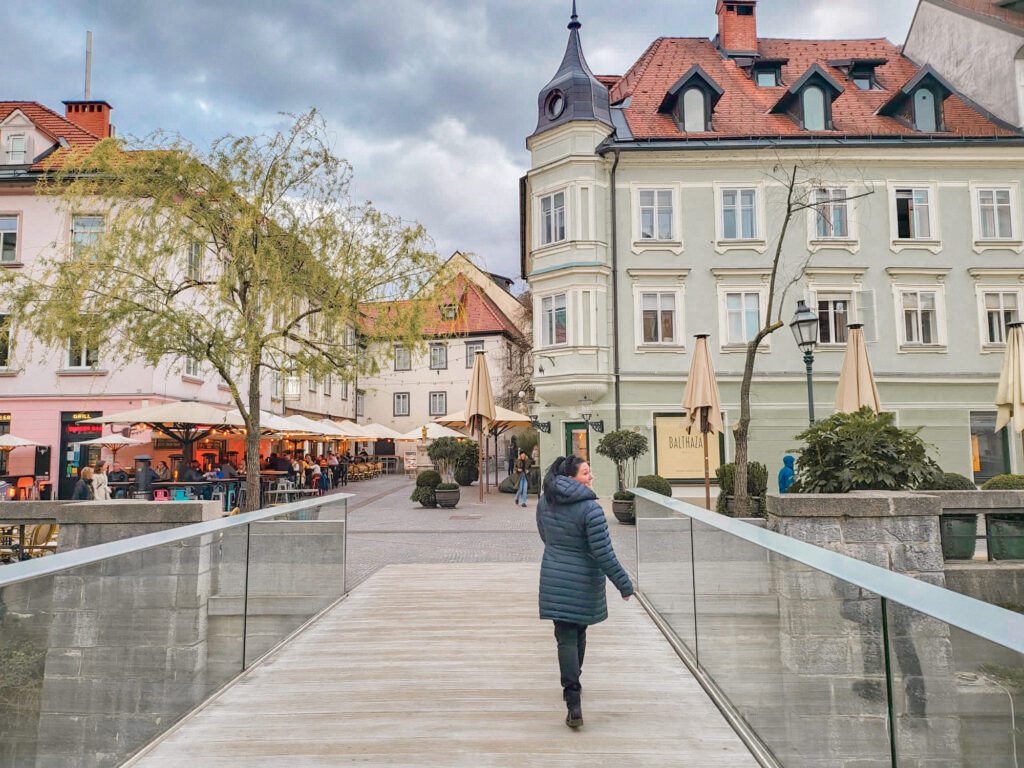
(161, 494)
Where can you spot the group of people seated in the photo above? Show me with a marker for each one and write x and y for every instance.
(324, 472)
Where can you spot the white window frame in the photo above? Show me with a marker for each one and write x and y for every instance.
(471, 347)
(95, 233)
(940, 344)
(443, 400)
(292, 386)
(931, 243)
(10, 151)
(17, 238)
(82, 363)
(360, 403)
(311, 382)
(192, 369)
(438, 345)
(401, 352)
(194, 262)
(983, 288)
(276, 385)
(676, 292)
(7, 323)
(639, 243)
(757, 242)
(344, 389)
(835, 294)
(1015, 242)
(542, 240)
(547, 341)
(327, 385)
(397, 399)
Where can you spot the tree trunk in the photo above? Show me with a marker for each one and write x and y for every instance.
(743, 430)
(252, 443)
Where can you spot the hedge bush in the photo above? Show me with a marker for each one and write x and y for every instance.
(1004, 483)
(757, 482)
(948, 481)
(465, 474)
(429, 478)
(655, 484)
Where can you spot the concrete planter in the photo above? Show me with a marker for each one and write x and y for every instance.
(755, 506)
(447, 499)
(958, 532)
(1005, 534)
(623, 511)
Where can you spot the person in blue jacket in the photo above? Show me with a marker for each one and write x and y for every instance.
(578, 556)
(787, 476)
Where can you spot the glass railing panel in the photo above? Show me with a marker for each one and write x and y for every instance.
(296, 570)
(665, 568)
(797, 652)
(99, 659)
(956, 696)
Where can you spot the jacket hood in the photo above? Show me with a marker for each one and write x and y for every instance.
(789, 461)
(564, 490)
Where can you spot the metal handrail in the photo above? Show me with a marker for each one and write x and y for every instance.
(47, 566)
(985, 620)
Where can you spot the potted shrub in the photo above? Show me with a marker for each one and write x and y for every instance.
(757, 487)
(446, 452)
(426, 482)
(957, 531)
(655, 484)
(1005, 531)
(447, 495)
(467, 464)
(624, 447)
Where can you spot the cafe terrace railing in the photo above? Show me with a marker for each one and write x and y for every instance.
(818, 659)
(103, 649)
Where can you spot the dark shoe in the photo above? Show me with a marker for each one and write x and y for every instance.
(574, 719)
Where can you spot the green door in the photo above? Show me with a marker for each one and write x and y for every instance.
(577, 440)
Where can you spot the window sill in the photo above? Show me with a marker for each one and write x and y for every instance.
(82, 372)
(915, 349)
(8, 372)
(192, 380)
(225, 388)
(840, 243)
(674, 246)
(673, 348)
(727, 349)
(755, 244)
(924, 244)
(12, 264)
(998, 245)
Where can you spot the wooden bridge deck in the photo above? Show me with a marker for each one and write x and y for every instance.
(448, 666)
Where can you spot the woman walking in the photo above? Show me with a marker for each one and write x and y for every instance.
(100, 488)
(578, 555)
(83, 488)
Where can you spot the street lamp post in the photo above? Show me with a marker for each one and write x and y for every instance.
(805, 331)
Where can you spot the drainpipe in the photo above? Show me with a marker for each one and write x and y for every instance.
(615, 297)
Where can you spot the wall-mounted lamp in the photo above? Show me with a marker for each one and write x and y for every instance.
(540, 426)
(586, 410)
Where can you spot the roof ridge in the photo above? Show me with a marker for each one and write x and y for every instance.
(637, 72)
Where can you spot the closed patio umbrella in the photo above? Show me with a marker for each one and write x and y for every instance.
(701, 401)
(1010, 394)
(480, 407)
(856, 382)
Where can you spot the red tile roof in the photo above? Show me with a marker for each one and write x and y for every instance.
(743, 111)
(54, 125)
(476, 313)
(1015, 18)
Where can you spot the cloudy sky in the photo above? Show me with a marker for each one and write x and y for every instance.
(429, 100)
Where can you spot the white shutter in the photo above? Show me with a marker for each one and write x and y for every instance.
(866, 314)
(30, 151)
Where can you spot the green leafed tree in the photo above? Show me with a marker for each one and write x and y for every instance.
(250, 259)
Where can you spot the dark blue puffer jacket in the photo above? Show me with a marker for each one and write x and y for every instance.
(578, 554)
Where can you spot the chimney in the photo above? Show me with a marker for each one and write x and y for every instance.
(737, 26)
(93, 116)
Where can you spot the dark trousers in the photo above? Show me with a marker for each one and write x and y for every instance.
(572, 643)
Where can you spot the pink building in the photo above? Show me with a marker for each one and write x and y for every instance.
(45, 391)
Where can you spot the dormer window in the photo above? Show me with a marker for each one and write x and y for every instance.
(809, 100)
(860, 72)
(767, 77)
(863, 78)
(925, 114)
(16, 150)
(691, 101)
(918, 104)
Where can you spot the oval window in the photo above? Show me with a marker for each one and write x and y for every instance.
(556, 104)
(814, 109)
(924, 111)
(693, 111)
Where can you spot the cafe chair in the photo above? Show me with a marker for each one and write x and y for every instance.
(161, 494)
(26, 488)
(181, 494)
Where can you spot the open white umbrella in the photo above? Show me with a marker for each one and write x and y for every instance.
(354, 431)
(10, 442)
(381, 431)
(856, 382)
(433, 431)
(1010, 394)
(702, 402)
(480, 408)
(113, 443)
(269, 422)
(186, 421)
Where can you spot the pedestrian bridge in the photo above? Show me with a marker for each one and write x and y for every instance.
(235, 643)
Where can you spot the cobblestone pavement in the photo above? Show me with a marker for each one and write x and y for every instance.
(386, 528)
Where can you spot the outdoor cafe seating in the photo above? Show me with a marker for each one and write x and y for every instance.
(22, 542)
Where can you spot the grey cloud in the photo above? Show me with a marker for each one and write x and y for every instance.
(391, 78)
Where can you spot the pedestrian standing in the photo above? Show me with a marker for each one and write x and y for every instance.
(100, 489)
(578, 556)
(83, 488)
(523, 465)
